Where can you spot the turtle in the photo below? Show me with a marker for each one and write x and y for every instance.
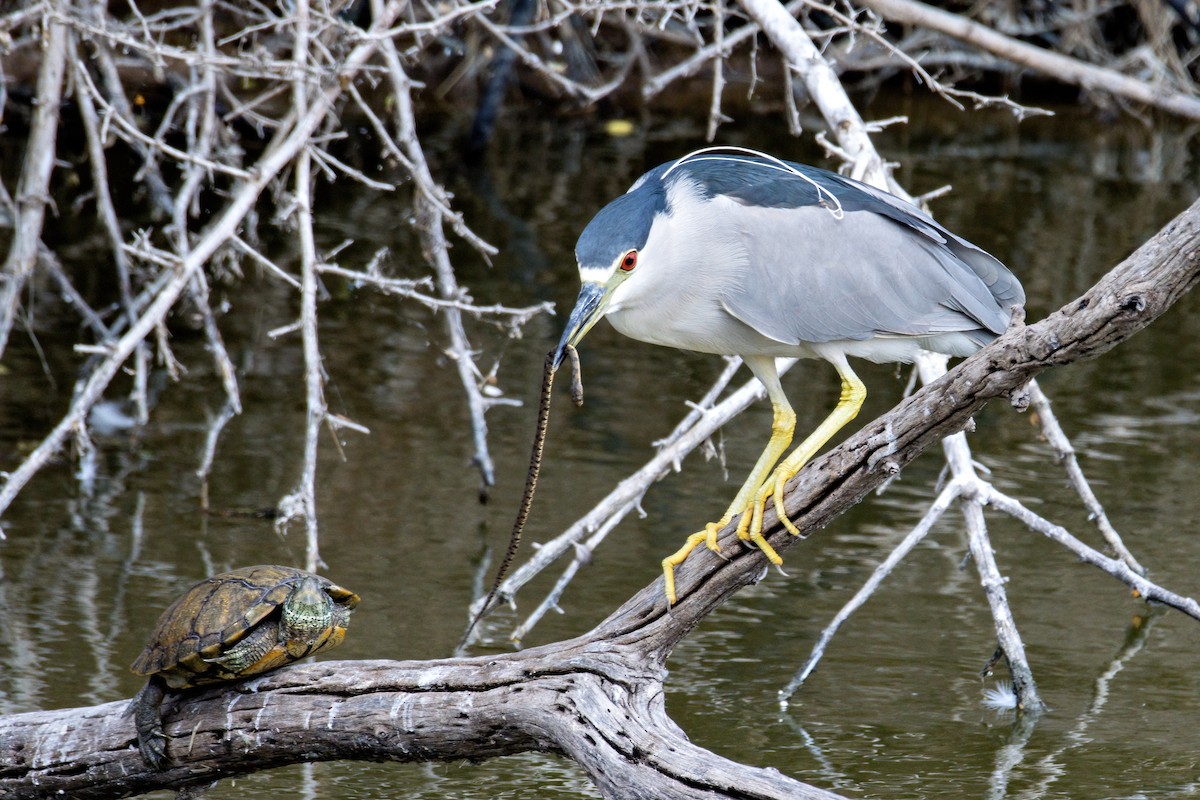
(231, 626)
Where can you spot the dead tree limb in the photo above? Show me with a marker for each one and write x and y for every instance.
(790, 38)
(1054, 65)
(598, 699)
(33, 189)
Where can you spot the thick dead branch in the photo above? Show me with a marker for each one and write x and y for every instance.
(1054, 65)
(573, 699)
(33, 189)
(597, 699)
(822, 83)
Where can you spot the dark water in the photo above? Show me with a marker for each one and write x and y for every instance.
(894, 709)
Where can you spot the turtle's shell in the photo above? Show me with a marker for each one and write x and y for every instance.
(217, 613)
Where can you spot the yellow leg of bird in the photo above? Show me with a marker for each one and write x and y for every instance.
(783, 425)
(849, 403)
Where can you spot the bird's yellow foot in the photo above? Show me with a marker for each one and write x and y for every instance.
(708, 536)
(774, 488)
(750, 527)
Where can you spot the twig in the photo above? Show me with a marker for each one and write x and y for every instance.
(202, 134)
(151, 177)
(936, 509)
(951, 94)
(112, 227)
(1145, 588)
(581, 556)
(1066, 455)
(826, 91)
(588, 94)
(242, 246)
(130, 132)
(407, 288)
(697, 61)
(211, 437)
(715, 117)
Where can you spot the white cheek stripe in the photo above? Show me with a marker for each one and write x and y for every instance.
(595, 274)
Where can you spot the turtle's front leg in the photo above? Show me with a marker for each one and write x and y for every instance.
(147, 719)
(252, 654)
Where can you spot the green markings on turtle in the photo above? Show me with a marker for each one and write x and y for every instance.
(231, 626)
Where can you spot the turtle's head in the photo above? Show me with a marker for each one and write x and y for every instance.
(307, 615)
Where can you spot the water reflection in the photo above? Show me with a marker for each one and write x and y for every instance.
(894, 709)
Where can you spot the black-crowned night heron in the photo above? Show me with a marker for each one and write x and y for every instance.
(734, 252)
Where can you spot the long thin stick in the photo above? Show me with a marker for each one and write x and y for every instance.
(313, 383)
(1066, 454)
(430, 221)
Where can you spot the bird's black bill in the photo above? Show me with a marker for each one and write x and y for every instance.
(589, 307)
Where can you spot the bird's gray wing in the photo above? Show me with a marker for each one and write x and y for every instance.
(808, 276)
(866, 255)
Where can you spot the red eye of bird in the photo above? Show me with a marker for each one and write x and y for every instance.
(629, 261)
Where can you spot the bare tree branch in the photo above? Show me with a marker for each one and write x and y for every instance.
(279, 154)
(33, 189)
(1057, 66)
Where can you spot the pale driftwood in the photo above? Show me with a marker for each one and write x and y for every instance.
(598, 699)
(560, 700)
